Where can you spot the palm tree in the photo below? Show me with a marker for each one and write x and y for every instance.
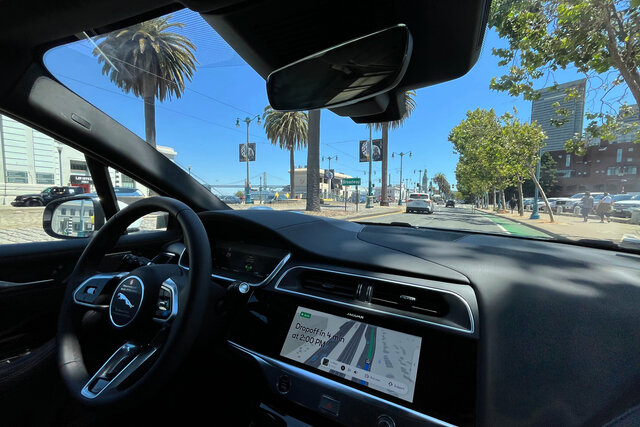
(289, 131)
(443, 185)
(313, 162)
(410, 104)
(149, 61)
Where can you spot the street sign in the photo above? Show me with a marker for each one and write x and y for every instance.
(351, 181)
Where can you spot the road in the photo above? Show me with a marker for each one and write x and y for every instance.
(460, 218)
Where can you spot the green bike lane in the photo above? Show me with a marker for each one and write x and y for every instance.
(515, 228)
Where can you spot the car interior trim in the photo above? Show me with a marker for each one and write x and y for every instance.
(266, 280)
(139, 359)
(470, 330)
(94, 277)
(355, 394)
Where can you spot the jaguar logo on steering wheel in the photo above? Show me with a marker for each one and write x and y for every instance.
(126, 301)
(123, 297)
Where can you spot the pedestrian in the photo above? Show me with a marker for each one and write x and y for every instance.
(604, 208)
(512, 203)
(587, 205)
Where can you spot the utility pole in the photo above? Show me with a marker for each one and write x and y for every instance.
(370, 192)
(247, 188)
(401, 156)
(419, 171)
(59, 147)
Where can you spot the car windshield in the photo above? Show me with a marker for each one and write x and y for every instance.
(525, 123)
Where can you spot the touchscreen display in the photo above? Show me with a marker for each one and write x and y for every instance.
(372, 356)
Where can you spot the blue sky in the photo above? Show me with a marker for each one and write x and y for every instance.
(200, 126)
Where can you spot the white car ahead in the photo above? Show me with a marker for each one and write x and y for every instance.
(420, 202)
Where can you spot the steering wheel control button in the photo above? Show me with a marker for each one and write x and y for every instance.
(126, 301)
(284, 384)
(167, 304)
(89, 290)
(329, 405)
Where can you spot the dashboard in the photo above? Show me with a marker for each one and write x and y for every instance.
(382, 325)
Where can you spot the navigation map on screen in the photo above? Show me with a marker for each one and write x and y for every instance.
(375, 357)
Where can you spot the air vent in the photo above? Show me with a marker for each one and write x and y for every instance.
(409, 298)
(331, 285)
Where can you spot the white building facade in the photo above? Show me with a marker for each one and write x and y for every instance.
(31, 161)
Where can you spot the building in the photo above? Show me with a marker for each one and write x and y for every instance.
(610, 166)
(607, 166)
(31, 161)
(300, 180)
(543, 111)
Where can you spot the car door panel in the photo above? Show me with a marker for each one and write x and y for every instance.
(32, 284)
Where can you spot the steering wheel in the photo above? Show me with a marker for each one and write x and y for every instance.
(155, 310)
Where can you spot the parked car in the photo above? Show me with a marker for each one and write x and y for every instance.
(127, 192)
(420, 202)
(570, 203)
(623, 208)
(577, 209)
(527, 203)
(47, 195)
(450, 204)
(231, 200)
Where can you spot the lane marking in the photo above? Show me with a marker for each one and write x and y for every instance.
(375, 216)
(502, 228)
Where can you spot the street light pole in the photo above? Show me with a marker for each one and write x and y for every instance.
(370, 191)
(247, 188)
(59, 147)
(534, 213)
(330, 179)
(401, 156)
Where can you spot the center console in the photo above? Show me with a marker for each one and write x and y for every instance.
(358, 361)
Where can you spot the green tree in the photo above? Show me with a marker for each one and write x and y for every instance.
(240, 194)
(410, 105)
(474, 139)
(149, 61)
(496, 152)
(313, 162)
(521, 144)
(597, 37)
(288, 130)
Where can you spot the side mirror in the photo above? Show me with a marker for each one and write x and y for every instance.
(345, 74)
(73, 217)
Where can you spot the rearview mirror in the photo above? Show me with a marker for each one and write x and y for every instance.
(72, 217)
(345, 74)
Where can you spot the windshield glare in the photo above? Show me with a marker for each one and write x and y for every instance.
(488, 141)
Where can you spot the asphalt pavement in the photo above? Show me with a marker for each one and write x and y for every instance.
(460, 218)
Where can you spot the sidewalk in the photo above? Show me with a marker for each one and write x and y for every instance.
(573, 227)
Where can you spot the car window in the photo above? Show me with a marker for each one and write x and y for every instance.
(510, 130)
(32, 155)
(129, 191)
(419, 196)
